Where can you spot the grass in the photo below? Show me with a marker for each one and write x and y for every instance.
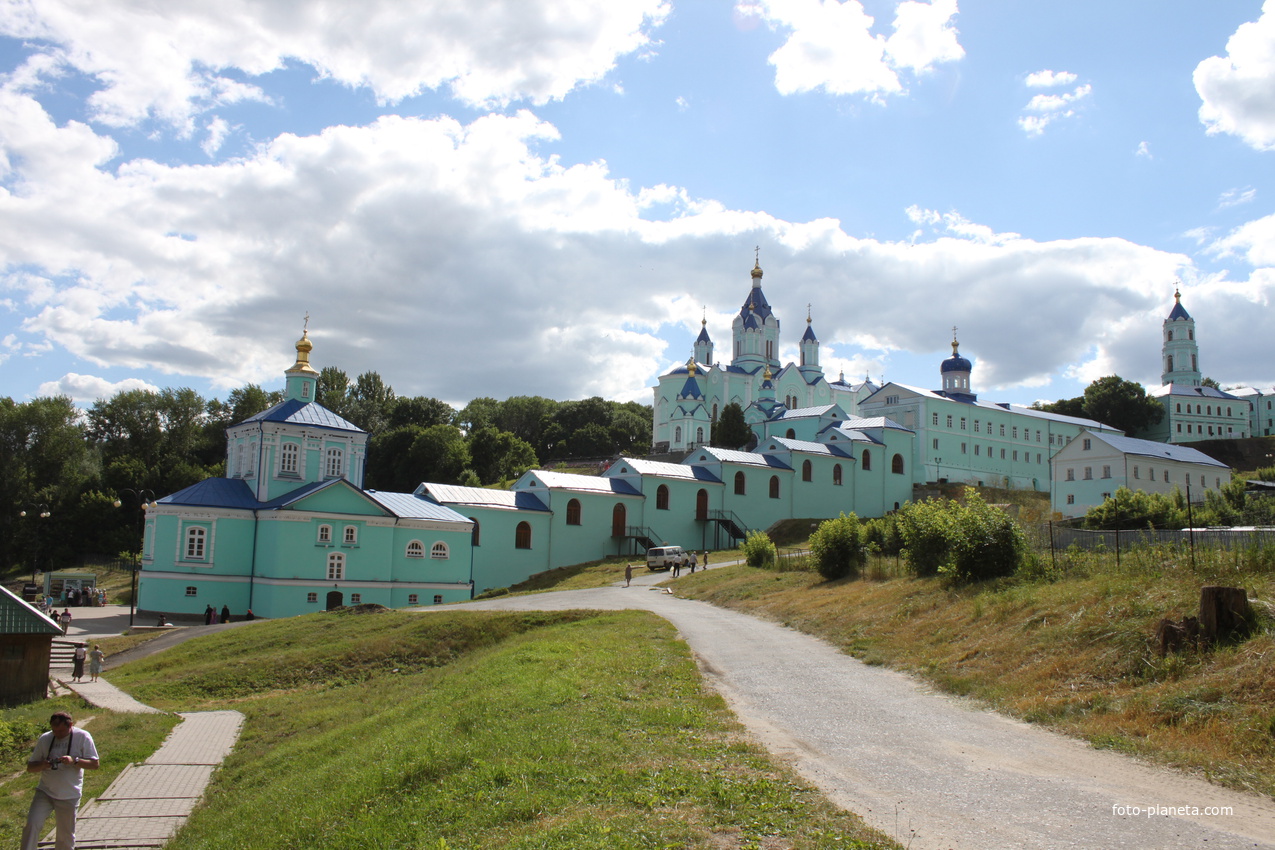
(1072, 648)
(475, 729)
(121, 739)
(602, 573)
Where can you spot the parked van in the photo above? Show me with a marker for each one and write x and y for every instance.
(664, 557)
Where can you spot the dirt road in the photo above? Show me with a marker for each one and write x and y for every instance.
(931, 770)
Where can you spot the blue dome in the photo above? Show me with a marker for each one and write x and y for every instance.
(956, 363)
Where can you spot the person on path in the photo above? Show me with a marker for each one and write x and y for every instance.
(694, 561)
(77, 664)
(210, 615)
(628, 574)
(250, 615)
(96, 657)
(225, 613)
(61, 756)
(677, 568)
(705, 559)
(65, 619)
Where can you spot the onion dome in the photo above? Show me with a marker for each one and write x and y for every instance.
(955, 363)
(304, 346)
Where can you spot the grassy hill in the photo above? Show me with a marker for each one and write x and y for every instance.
(477, 730)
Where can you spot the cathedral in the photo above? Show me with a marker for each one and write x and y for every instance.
(689, 399)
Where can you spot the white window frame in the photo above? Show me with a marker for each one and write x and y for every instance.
(350, 536)
(335, 466)
(416, 549)
(195, 543)
(336, 566)
(312, 597)
(191, 590)
(324, 535)
(289, 459)
(439, 551)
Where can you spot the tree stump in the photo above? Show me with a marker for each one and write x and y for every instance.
(1224, 611)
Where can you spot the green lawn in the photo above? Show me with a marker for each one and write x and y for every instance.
(472, 730)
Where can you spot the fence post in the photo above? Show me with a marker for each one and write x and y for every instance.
(1053, 554)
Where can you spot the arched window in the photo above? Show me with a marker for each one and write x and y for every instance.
(438, 551)
(351, 535)
(739, 483)
(475, 536)
(774, 486)
(573, 512)
(866, 462)
(1169, 361)
(896, 464)
(288, 454)
(336, 566)
(699, 435)
(195, 540)
(325, 534)
(1179, 407)
(836, 474)
(806, 470)
(792, 435)
(522, 535)
(1170, 338)
(336, 462)
(661, 498)
(677, 434)
(416, 549)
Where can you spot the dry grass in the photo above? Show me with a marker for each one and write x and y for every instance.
(1076, 653)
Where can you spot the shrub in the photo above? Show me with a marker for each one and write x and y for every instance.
(16, 738)
(759, 550)
(883, 533)
(964, 542)
(923, 528)
(837, 547)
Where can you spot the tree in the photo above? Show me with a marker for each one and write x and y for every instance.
(497, 455)
(439, 454)
(420, 410)
(477, 414)
(388, 466)
(1121, 404)
(370, 402)
(731, 431)
(592, 440)
(526, 417)
(1209, 382)
(1064, 407)
(333, 391)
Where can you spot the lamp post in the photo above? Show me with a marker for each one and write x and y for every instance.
(41, 511)
(144, 498)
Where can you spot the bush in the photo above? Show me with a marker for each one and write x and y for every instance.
(883, 533)
(759, 550)
(963, 542)
(837, 547)
(16, 739)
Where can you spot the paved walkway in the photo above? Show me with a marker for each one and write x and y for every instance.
(933, 771)
(147, 803)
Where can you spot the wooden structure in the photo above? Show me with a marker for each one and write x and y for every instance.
(26, 639)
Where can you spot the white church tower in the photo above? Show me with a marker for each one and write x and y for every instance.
(1181, 353)
(756, 330)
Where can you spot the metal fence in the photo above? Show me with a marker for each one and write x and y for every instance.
(1054, 536)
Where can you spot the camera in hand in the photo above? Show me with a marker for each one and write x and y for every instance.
(54, 764)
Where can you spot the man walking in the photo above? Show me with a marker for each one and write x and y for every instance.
(61, 756)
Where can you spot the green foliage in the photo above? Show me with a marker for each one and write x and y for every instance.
(759, 550)
(1112, 401)
(883, 533)
(1228, 506)
(17, 736)
(497, 455)
(964, 542)
(1266, 473)
(837, 547)
(730, 431)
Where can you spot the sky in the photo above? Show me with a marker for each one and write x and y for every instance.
(547, 197)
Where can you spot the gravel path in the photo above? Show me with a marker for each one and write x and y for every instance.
(930, 770)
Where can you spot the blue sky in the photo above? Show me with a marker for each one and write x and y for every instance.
(509, 197)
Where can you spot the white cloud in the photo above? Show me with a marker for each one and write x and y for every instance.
(217, 131)
(1238, 90)
(173, 61)
(1049, 79)
(1235, 197)
(1143, 150)
(831, 45)
(458, 260)
(1254, 241)
(86, 389)
(1044, 109)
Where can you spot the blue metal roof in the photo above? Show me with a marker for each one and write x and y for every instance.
(690, 389)
(1195, 392)
(215, 493)
(956, 363)
(298, 412)
(809, 447)
(481, 497)
(584, 483)
(411, 506)
(659, 469)
(703, 335)
(809, 335)
(1179, 312)
(1163, 451)
(731, 456)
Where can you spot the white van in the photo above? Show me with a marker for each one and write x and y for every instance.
(664, 557)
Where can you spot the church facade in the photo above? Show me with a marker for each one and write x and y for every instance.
(689, 399)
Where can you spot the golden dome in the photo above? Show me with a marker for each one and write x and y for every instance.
(756, 268)
(304, 347)
(690, 367)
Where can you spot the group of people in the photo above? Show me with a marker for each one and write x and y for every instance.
(211, 617)
(95, 659)
(688, 561)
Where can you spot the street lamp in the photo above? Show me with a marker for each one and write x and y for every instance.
(144, 498)
(41, 511)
